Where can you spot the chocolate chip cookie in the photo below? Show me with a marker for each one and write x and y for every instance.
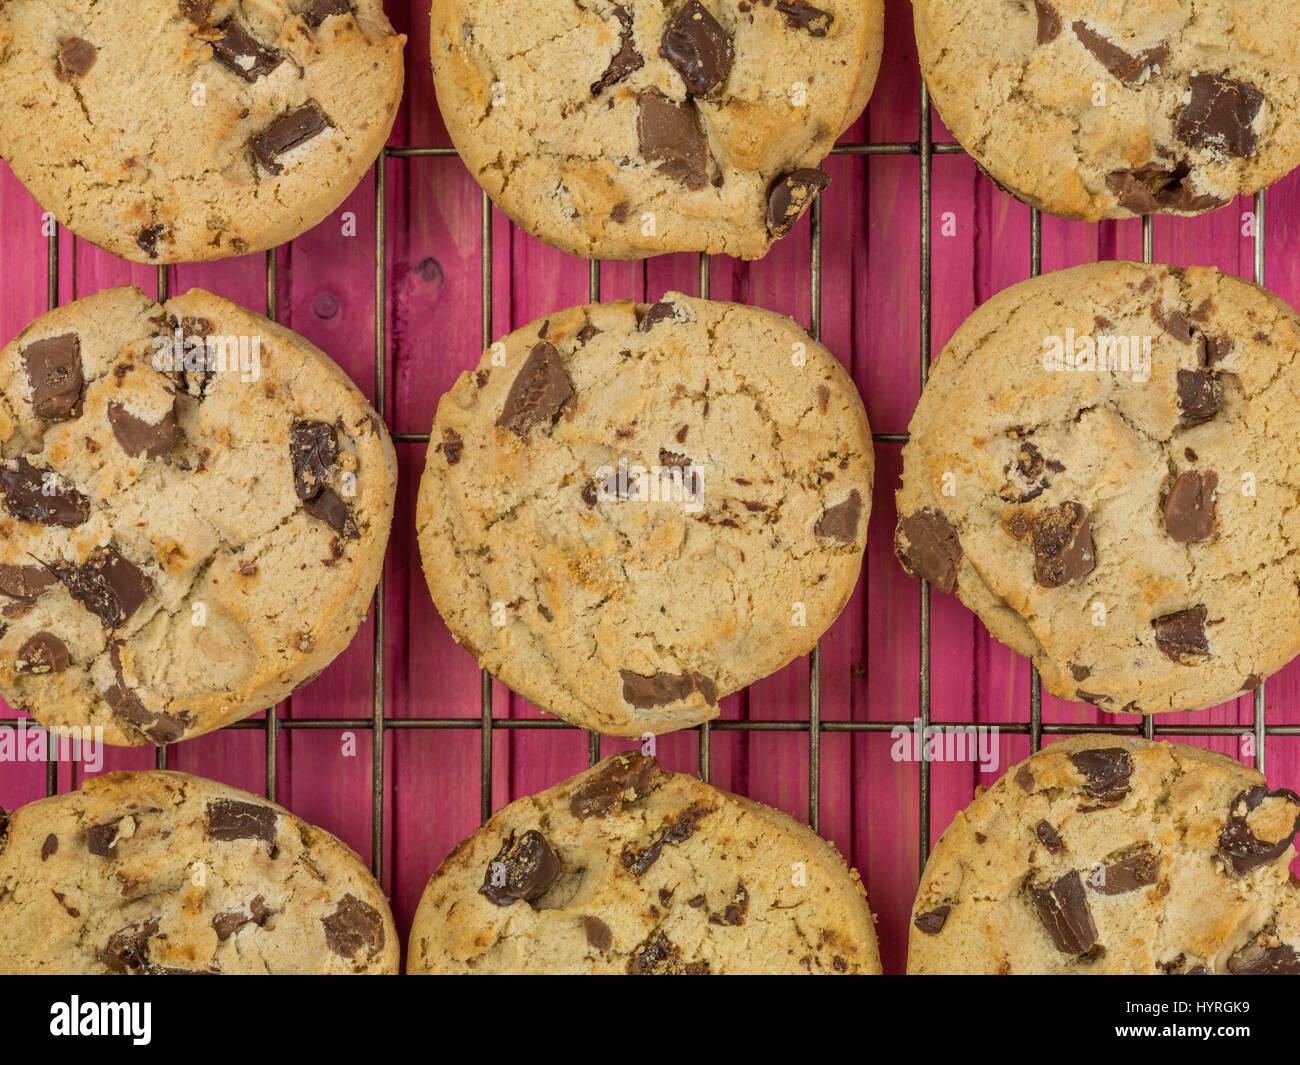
(1101, 855)
(620, 129)
(163, 873)
(1101, 467)
(194, 507)
(1114, 110)
(629, 869)
(628, 512)
(184, 130)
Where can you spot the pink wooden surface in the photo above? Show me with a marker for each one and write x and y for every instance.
(871, 268)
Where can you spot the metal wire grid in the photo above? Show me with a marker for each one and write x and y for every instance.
(379, 724)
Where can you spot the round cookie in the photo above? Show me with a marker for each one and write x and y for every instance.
(195, 504)
(629, 512)
(185, 130)
(628, 869)
(164, 873)
(1101, 855)
(621, 129)
(1115, 110)
(1101, 467)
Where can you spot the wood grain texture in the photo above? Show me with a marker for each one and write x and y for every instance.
(871, 269)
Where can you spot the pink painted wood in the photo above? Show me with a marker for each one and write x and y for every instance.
(871, 270)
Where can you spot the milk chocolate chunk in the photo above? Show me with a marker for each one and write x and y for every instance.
(287, 133)
(127, 951)
(141, 438)
(626, 60)
(792, 195)
(599, 934)
(242, 54)
(54, 370)
(1049, 838)
(538, 393)
(1049, 22)
(1198, 396)
(698, 48)
(352, 926)
(1148, 189)
(671, 139)
(660, 312)
(522, 871)
(156, 726)
(676, 831)
(1128, 874)
(108, 585)
(932, 922)
(232, 819)
(33, 493)
(1255, 960)
(1129, 68)
(323, 9)
(1239, 845)
(314, 455)
(840, 522)
(1182, 635)
(1063, 909)
(49, 848)
(1221, 115)
(928, 547)
(41, 655)
(329, 507)
(25, 582)
(1189, 510)
(661, 689)
(1107, 772)
(659, 956)
(803, 16)
(621, 780)
(76, 57)
(1062, 541)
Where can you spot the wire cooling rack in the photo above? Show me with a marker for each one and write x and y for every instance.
(380, 724)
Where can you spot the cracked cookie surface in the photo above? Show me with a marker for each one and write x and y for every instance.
(1107, 855)
(187, 130)
(1101, 467)
(629, 512)
(1126, 107)
(627, 869)
(161, 873)
(194, 508)
(621, 129)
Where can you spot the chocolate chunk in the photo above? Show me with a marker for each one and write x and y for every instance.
(128, 950)
(25, 582)
(323, 9)
(195, 331)
(240, 53)
(147, 239)
(1049, 22)
(676, 831)
(840, 522)
(661, 957)
(1252, 681)
(1189, 510)
(792, 195)
(664, 688)
(227, 924)
(626, 60)
(101, 840)
(932, 922)
(1080, 672)
(76, 57)
(43, 654)
(1063, 908)
(1217, 349)
(1240, 847)
(1047, 835)
(623, 779)
(733, 913)
(1148, 189)
(329, 507)
(1024, 779)
(1125, 66)
(660, 312)
(54, 370)
(158, 727)
(139, 437)
(1220, 115)
(1033, 469)
(803, 16)
(1198, 396)
(599, 934)
(523, 870)
(286, 133)
(32, 493)
(1255, 960)
(452, 446)
(108, 585)
(928, 547)
(1107, 772)
(314, 455)
(232, 819)
(198, 12)
(671, 139)
(4, 824)
(698, 48)
(1174, 322)
(1062, 542)
(354, 924)
(1128, 874)
(538, 394)
(1182, 635)
(49, 848)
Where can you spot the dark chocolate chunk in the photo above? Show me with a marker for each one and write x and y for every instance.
(43, 654)
(671, 139)
(626, 60)
(323, 9)
(242, 54)
(329, 507)
(664, 688)
(1182, 635)
(1049, 838)
(932, 921)
(1256, 960)
(623, 779)
(232, 819)
(147, 239)
(286, 133)
(599, 934)
(49, 848)
(354, 924)
(803, 16)
(227, 924)
(1217, 349)
(128, 950)
(139, 437)
(523, 870)
(1080, 672)
(33, 493)
(1063, 908)
(1198, 396)
(1240, 847)
(76, 57)
(840, 522)
(314, 454)
(792, 195)
(1127, 67)
(1062, 542)
(659, 956)
(158, 727)
(198, 12)
(1189, 510)
(101, 840)
(1147, 189)
(25, 582)
(1174, 322)
(1107, 772)
(674, 832)
(1049, 22)
(54, 370)
(928, 547)
(452, 446)
(108, 585)
(698, 48)
(1220, 115)
(1127, 874)
(659, 312)
(1024, 779)
(538, 393)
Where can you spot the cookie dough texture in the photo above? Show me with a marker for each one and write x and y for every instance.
(628, 512)
(629, 869)
(1126, 519)
(184, 538)
(163, 873)
(1102, 855)
(185, 130)
(1110, 110)
(621, 130)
